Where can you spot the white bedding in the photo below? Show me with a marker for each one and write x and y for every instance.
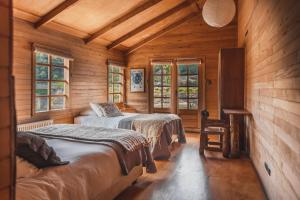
(93, 173)
(107, 122)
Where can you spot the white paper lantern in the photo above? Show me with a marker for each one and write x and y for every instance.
(218, 13)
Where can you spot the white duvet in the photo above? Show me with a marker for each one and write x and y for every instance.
(107, 122)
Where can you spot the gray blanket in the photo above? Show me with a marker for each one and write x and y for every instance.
(132, 148)
(153, 125)
(158, 129)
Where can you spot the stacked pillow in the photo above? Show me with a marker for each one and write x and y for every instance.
(106, 109)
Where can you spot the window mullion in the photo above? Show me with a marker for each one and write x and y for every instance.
(50, 82)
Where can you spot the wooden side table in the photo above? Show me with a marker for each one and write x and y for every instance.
(234, 130)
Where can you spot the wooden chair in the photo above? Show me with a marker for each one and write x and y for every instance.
(214, 127)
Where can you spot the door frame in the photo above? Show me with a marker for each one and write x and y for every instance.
(174, 100)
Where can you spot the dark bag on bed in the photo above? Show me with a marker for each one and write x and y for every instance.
(35, 149)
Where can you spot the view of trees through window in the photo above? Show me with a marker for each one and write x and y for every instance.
(187, 86)
(51, 82)
(115, 83)
(162, 85)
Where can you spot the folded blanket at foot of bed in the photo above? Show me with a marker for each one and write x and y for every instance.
(152, 125)
(131, 147)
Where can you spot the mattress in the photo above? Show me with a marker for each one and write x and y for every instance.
(94, 172)
(160, 150)
(107, 122)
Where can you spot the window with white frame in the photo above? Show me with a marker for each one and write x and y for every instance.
(50, 82)
(116, 85)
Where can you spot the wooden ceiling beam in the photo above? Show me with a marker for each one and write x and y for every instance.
(54, 12)
(161, 32)
(122, 19)
(149, 24)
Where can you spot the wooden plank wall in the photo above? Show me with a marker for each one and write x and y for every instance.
(193, 39)
(6, 99)
(89, 70)
(270, 31)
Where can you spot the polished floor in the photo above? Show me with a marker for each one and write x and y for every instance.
(187, 176)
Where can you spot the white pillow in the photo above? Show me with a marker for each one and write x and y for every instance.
(25, 169)
(87, 112)
(97, 109)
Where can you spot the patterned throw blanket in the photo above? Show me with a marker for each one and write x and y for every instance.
(152, 125)
(132, 148)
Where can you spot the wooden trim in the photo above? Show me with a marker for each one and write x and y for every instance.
(161, 32)
(51, 50)
(121, 19)
(149, 24)
(116, 62)
(54, 12)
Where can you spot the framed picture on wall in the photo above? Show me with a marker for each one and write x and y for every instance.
(137, 80)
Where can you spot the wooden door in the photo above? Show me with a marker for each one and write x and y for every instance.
(190, 94)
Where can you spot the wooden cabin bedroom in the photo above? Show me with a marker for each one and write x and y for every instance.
(149, 99)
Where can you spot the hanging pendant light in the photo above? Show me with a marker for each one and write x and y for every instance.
(218, 13)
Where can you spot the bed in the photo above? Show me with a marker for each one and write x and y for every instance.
(94, 171)
(160, 129)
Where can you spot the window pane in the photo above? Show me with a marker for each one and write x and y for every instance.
(157, 69)
(166, 92)
(117, 88)
(193, 104)
(167, 80)
(41, 88)
(167, 69)
(110, 98)
(116, 69)
(193, 69)
(157, 102)
(110, 88)
(166, 102)
(182, 80)
(41, 104)
(57, 88)
(41, 72)
(182, 104)
(110, 68)
(57, 60)
(157, 80)
(117, 98)
(193, 92)
(182, 92)
(42, 58)
(57, 103)
(58, 73)
(182, 69)
(193, 80)
(157, 91)
(117, 78)
(110, 77)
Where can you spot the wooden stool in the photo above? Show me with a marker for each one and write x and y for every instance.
(214, 127)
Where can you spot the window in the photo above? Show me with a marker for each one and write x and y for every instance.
(162, 85)
(115, 83)
(187, 86)
(51, 82)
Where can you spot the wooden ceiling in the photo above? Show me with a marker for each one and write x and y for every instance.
(125, 25)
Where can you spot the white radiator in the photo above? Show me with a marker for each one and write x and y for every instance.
(33, 125)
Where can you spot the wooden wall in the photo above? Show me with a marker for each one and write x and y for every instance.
(6, 118)
(88, 81)
(193, 39)
(270, 31)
